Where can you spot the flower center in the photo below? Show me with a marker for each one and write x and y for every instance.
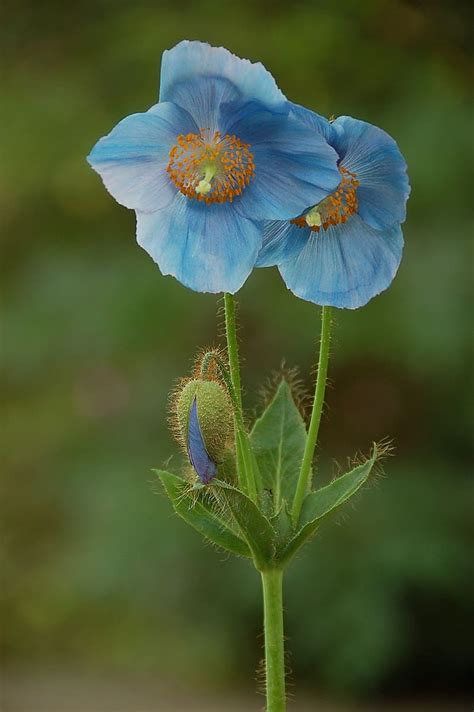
(210, 167)
(334, 209)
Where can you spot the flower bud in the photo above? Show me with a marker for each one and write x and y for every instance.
(204, 420)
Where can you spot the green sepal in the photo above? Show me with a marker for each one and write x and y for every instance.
(200, 515)
(278, 440)
(255, 527)
(322, 502)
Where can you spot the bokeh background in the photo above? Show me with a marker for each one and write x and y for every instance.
(108, 601)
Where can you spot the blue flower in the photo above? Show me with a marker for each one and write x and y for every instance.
(219, 153)
(345, 249)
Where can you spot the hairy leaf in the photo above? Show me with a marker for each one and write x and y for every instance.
(256, 528)
(278, 440)
(321, 502)
(201, 515)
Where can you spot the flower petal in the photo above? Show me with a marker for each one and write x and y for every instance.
(208, 248)
(202, 98)
(380, 167)
(191, 60)
(132, 158)
(314, 121)
(346, 265)
(282, 241)
(294, 165)
(205, 467)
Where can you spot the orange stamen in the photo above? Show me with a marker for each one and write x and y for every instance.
(194, 153)
(338, 206)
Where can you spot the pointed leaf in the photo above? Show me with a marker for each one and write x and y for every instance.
(256, 528)
(278, 440)
(320, 503)
(200, 515)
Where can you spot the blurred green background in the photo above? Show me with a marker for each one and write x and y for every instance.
(101, 585)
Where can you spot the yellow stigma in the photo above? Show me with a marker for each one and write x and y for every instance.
(336, 208)
(210, 167)
(313, 218)
(204, 186)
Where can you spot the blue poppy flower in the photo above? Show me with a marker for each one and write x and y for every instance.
(345, 249)
(219, 153)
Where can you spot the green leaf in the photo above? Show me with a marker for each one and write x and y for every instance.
(283, 526)
(256, 528)
(321, 502)
(278, 440)
(199, 514)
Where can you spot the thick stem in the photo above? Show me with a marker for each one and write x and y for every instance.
(272, 581)
(312, 438)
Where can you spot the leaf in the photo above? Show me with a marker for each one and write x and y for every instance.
(256, 528)
(282, 524)
(278, 440)
(321, 502)
(200, 515)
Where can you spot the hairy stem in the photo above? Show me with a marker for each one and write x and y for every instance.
(272, 582)
(318, 402)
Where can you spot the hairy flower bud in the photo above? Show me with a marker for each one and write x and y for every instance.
(204, 422)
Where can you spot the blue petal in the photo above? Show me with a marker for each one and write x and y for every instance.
(132, 158)
(380, 167)
(346, 265)
(191, 60)
(282, 241)
(314, 121)
(294, 165)
(202, 97)
(208, 248)
(205, 468)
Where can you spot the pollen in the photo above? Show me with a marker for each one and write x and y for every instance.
(210, 167)
(336, 208)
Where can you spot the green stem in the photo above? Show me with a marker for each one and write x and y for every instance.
(232, 346)
(272, 582)
(312, 438)
(245, 467)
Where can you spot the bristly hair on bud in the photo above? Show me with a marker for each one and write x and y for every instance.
(206, 364)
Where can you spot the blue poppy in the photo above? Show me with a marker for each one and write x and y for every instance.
(220, 152)
(345, 249)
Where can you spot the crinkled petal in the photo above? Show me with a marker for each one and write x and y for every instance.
(314, 121)
(282, 241)
(294, 165)
(208, 248)
(202, 97)
(380, 167)
(346, 265)
(132, 158)
(192, 60)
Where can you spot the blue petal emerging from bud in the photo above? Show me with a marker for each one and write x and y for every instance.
(205, 467)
